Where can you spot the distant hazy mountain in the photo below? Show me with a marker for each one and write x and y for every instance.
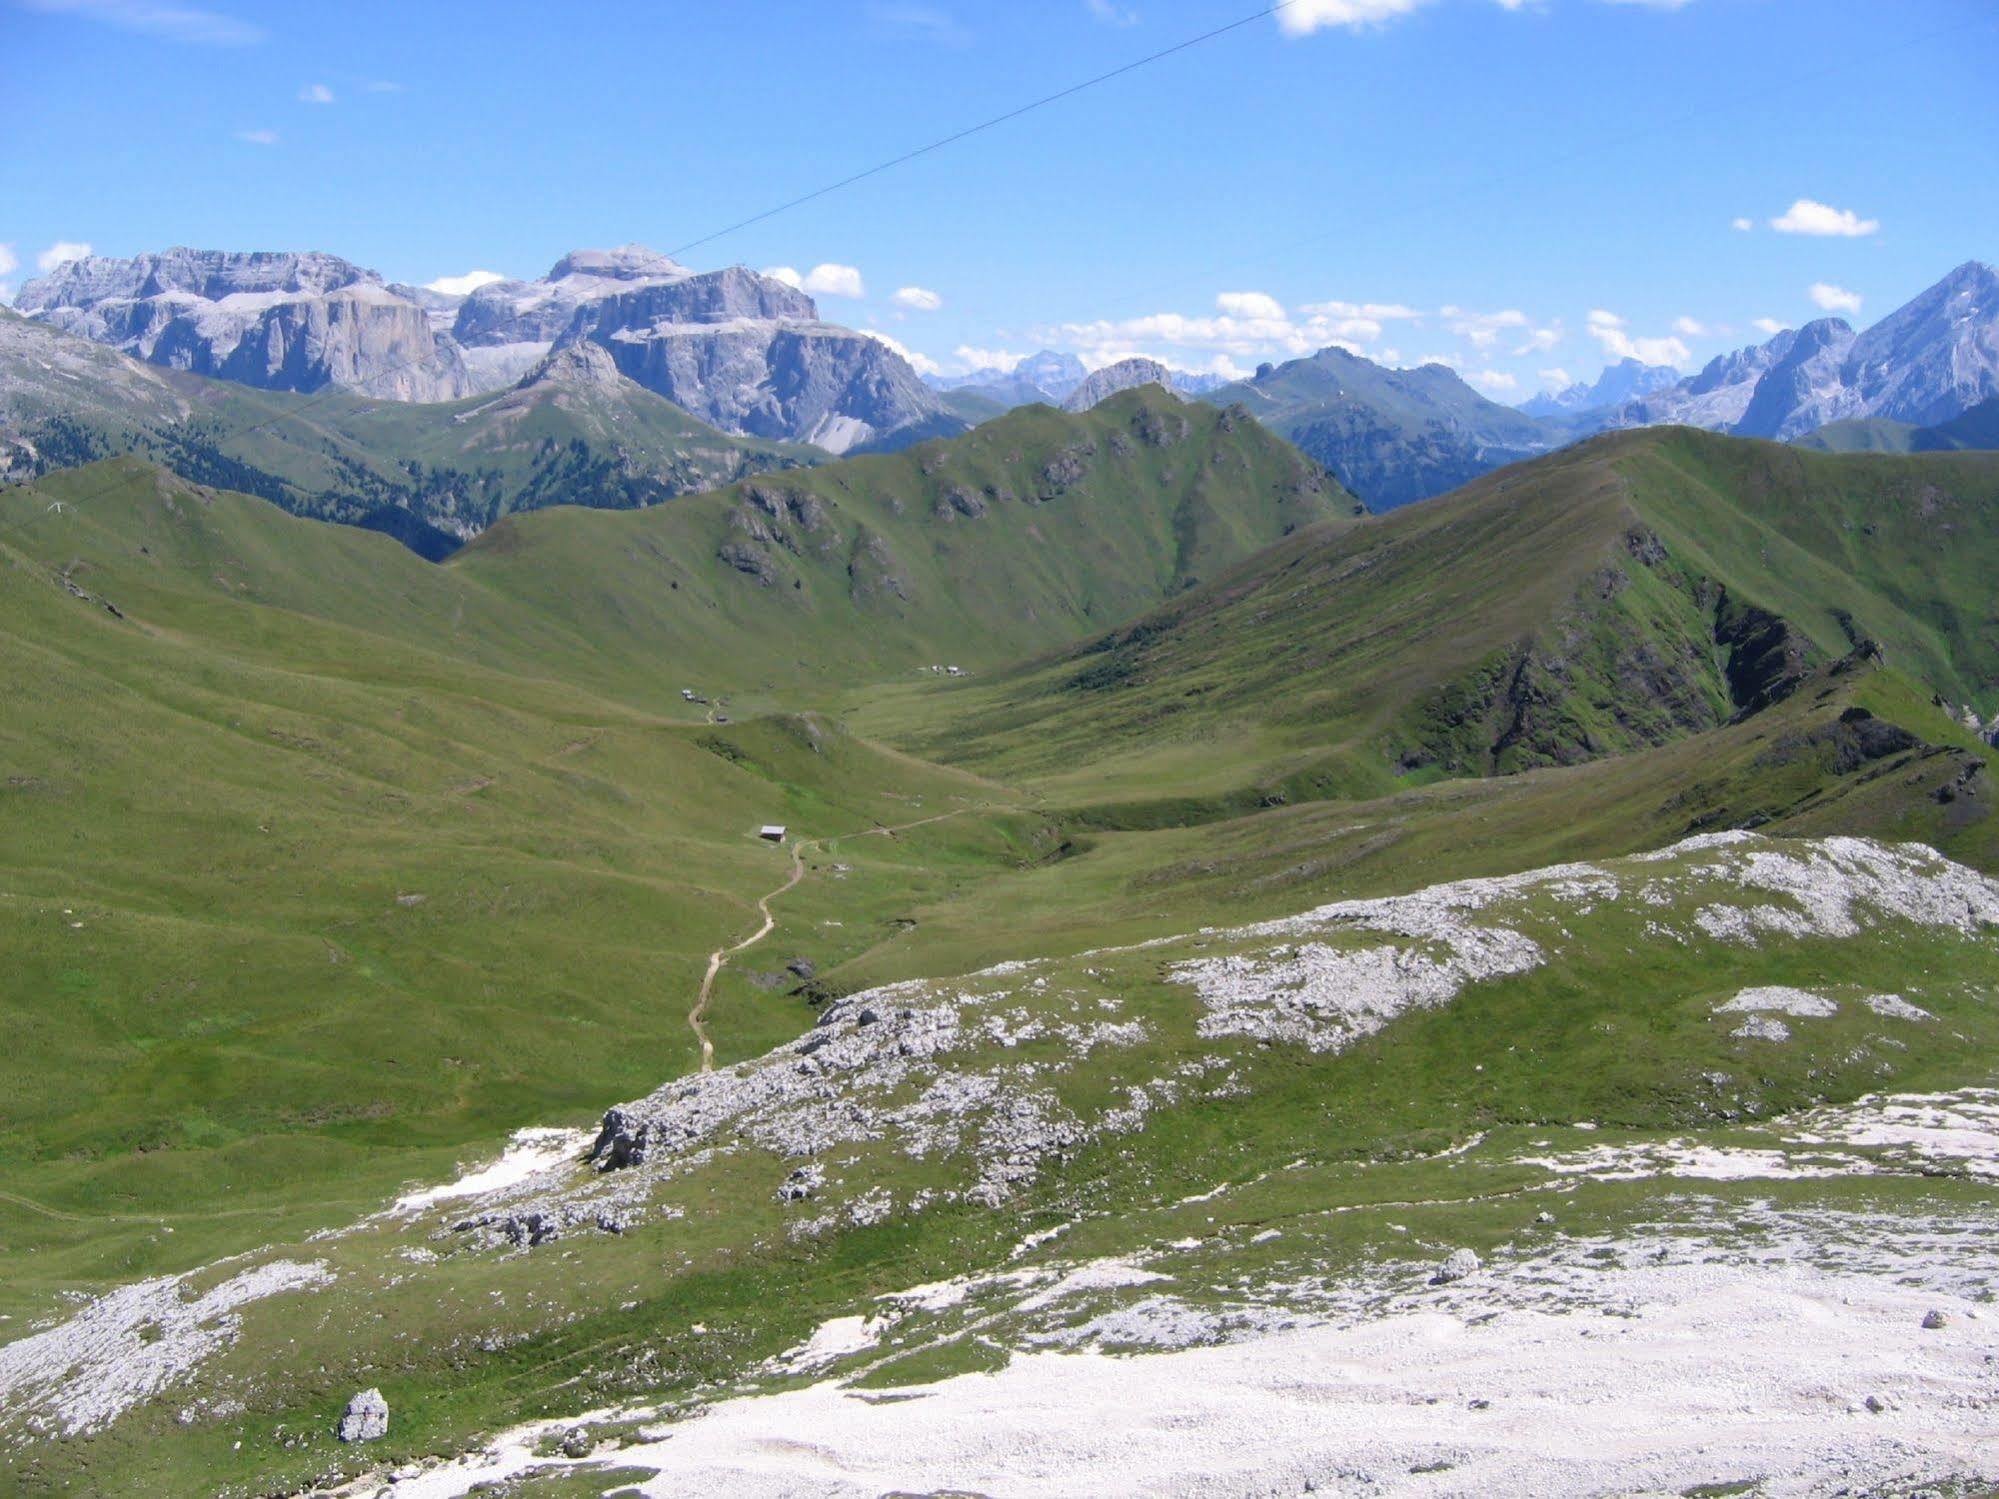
(1623, 381)
(1046, 376)
(275, 321)
(1126, 374)
(1923, 364)
(1391, 436)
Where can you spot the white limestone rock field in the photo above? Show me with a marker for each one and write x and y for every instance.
(1417, 1194)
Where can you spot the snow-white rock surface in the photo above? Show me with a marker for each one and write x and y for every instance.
(134, 1342)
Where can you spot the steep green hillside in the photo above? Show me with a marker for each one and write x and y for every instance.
(1976, 429)
(1391, 436)
(1030, 532)
(1621, 594)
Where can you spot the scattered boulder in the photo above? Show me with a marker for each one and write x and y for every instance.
(366, 1418)
(1933, 1319)
(1463, 1262)
(578, 1442)
(802, 1183)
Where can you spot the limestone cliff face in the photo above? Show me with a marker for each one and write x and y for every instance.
(276, 321)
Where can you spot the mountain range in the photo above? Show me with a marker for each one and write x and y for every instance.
(739, 350)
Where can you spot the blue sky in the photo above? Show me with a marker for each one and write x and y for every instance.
(1520, 187)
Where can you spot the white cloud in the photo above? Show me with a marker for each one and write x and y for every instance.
(1483, 328)
(8, 262)
(1768, 325)
(1609, 330)
(459, 286)
(920, 299)
(825, 280)
(1541, 340)
(61, 252)
(1834, 298)
(176, 23)
(1112, 14)
(258, 137)
(1745, 225)
(1688, 327)
(1302, 17)
(1380, 312)
(315, 93)
(1807, 216)
(923, 364)
(974, 358)
(1494, 381)
(1250, 304)
(1556, 379)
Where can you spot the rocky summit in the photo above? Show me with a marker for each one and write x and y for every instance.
(1125, 374)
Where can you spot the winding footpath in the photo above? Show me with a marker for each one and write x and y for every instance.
(697, 1017)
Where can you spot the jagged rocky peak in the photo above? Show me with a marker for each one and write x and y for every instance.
(582, 363)
(280, 321)
(1623, 381)
(1126, 374)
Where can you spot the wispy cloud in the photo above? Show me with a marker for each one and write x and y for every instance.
(823, 280)
(315, 93)
(918, 298)
(8, 260)
(1742, 225)
(1611, 331)
(923, 364)
(1768, 326)
(174, 23)
(1834, 298)
(1111, 13)
(1807, 216)
(459, 286)
(1302, 17)
(257, 137)
(922, 23)
(61, 253)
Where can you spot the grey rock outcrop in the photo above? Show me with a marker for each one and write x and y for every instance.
(276, 321)
(366, 1418)
(1462, 1263)
(1126, 374)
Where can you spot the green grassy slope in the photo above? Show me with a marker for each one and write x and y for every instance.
(1621, 594)
(292, 910)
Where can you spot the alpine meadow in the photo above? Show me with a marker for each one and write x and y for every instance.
(1147, 749)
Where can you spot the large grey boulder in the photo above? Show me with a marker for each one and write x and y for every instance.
(366, 1418)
